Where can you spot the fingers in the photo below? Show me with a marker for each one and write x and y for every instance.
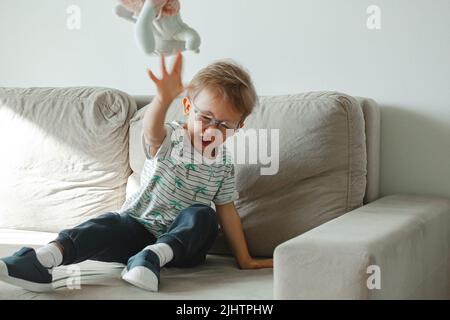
(178, 65)
(266, 263)
(152, 76)
(176, 70)
(163, 65)
(269, 263)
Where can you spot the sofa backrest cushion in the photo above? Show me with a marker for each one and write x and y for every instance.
(64, 155)
(322, 167)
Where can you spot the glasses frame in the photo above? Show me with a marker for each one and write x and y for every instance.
(213, 121)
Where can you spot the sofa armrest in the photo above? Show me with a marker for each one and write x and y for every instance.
(395, 247)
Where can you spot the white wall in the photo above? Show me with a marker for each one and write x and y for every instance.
(289, 46)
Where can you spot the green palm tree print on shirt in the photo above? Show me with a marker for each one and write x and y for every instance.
(156, 180)
(189, 167)
(157, 215)
(172, 161)
(219, 184)
(176, 204)
(177, 184)
(211, 173)
(199, 189)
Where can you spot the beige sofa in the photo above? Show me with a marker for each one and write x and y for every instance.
(73, 153)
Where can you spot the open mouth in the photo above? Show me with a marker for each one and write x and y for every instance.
(206, 143)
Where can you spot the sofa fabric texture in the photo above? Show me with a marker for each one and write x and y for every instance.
(66, 155)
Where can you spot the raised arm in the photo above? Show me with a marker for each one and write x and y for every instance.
(168, 88)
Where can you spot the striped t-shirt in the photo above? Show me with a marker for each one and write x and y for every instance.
(178, 177)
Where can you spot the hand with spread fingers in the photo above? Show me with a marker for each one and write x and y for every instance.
(170, 85)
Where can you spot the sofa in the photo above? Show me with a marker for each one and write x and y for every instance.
(70, 154)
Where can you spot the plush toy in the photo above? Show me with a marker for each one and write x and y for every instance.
(159, 28)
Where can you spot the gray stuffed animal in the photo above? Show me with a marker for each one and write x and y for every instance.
(159, 28)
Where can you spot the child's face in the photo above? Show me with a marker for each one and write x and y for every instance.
(204, 107)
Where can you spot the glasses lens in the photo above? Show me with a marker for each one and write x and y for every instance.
(230, 125)
(207, 120)
(203, 118)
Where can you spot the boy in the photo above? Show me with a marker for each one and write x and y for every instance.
(168, 222)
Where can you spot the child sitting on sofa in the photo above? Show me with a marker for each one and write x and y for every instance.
(168, 221)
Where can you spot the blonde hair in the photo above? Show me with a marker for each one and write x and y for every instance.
(228, 80)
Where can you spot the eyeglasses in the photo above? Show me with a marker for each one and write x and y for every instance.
(208, 120)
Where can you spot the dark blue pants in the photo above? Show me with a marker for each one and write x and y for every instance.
(114, 237)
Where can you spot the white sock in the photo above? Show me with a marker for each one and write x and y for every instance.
(164, 252)
(49, 256)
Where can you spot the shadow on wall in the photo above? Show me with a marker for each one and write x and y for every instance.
(415, 153)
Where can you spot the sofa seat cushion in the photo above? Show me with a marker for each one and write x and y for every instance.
(218, 278)
(65, 155)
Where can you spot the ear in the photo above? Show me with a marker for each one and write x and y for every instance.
(241, 125)
(186, 106)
